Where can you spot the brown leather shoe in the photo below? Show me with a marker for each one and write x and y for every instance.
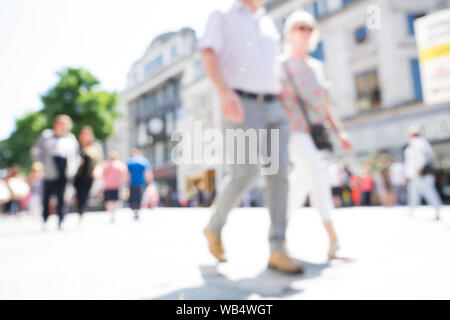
(282, 262)
(215, 245)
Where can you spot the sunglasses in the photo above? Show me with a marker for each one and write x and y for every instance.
(303, 28)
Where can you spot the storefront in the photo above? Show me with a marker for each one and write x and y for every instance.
(166, 182)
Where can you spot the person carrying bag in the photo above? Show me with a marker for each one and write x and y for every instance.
(305, 101)
(318, 132)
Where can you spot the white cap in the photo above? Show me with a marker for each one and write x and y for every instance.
(414, 130)
(306, 17)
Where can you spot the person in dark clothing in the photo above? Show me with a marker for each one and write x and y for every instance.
(57, 150)
(91, 156)
(367, 188)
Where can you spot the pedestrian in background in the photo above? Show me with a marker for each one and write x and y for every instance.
(19, 189)
(419, 171)
(36, 181)
(304, 98)
(114, 174)
(239, 50)
(91, 155)
(140, 175)
(355, 185)
(334, 172)
(5, 194)
(346, 187)
(398, 180)
(367, 187)
(58, 152)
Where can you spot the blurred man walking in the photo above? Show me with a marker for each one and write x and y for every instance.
(240, 51)
(421, 182)
(140, 172)
(58, 152)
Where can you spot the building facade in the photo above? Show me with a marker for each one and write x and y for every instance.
(151, 104)
(201, 106)
(370, 56)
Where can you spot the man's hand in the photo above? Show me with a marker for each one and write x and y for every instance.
(231, 106)
(231, 103)
(344, 138)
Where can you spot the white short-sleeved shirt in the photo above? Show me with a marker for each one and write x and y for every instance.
(246, 45)
(418, 153)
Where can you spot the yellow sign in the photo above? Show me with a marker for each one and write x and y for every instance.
(433, 42)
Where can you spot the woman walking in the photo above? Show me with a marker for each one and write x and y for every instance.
(19, 189)
(114, 174)
(305, 100)
(91, 155)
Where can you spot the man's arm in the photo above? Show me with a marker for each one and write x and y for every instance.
(230, 101)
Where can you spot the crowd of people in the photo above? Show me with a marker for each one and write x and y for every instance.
(65, 169)
(403, 180)
(293, 101)
(63, 173)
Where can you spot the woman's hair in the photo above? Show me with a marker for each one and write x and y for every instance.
(87, 128)
(113, 155)
(296, 17)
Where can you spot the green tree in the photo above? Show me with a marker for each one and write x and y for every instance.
(75, 94)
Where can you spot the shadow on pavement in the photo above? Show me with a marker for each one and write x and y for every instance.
(267, 284)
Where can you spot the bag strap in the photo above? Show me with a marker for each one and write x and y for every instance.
(297, 95)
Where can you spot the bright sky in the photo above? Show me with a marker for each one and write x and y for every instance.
(39, 37)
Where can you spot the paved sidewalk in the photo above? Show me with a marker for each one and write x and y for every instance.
(164, 256)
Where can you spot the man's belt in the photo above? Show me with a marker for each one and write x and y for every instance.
(255, 96)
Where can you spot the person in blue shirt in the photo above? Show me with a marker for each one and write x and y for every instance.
(140, 175)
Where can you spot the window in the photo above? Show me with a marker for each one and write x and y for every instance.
(415, 71)
(178, 114)
(282, 24)
(160, 99)
(169, 93)
(159, 153)
(310, 8)
(411, 18)
(360, 35)
(169, 123)
(322, 8)
(318, 53)
(173, 52)
(150, 103)
(141, 134)
(199, 71)
(150, 154)
(140, 108)
(368, 91)
(153, 66)
(346, 2)
(315, 9)
(176, 91)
